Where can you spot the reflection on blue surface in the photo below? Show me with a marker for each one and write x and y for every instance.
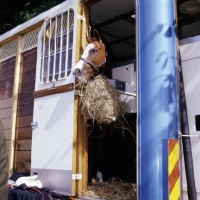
(158, 112)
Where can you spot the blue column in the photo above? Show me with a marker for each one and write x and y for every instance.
(158, 109)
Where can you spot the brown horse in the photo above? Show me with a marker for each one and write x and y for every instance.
(93, 58)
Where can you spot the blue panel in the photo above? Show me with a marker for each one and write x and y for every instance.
(158, 111)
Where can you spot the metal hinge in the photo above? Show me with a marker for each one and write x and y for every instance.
(34, 125)
(53, 86)
(81, 17)
(76, 176)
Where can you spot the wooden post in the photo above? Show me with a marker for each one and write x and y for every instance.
(82, 127)
(14, 104)
(80, 153)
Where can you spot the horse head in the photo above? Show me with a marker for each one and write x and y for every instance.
(93, 58)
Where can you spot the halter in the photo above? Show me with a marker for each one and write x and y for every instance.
(94, 67)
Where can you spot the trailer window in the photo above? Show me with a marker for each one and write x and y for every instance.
(57, 45)
(197, 122)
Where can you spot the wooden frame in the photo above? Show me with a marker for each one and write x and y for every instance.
(54, 90)
(14, 104)
(80, 143)
(90, 2)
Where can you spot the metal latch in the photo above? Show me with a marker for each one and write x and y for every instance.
(76, 176)
(34, 125)
(53, 86)
(81, 17)
(188, 135)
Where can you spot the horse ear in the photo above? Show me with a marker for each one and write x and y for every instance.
(97, 35)
(88, 38)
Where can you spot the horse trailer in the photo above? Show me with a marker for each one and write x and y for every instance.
(152, 61)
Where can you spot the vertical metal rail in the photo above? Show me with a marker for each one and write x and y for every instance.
(43, 55)
(55, 49)
(49, 52)
(158, 108)
(67, 44)
(61, 46)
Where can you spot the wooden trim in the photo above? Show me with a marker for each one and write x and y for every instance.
(32, 28)
(54, 90)
(80, 155)
(82, 151)
(14, 104)
(76, 101)
(8, 40)
(82, 127)
(90, 2)
(23, 32)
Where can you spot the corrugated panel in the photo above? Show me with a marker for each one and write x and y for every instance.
(30, 40)
(9, 50)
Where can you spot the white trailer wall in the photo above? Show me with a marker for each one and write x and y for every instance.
(190, 57)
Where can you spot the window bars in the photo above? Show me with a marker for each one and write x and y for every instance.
(57, 45)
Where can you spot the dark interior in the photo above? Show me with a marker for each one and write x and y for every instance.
(112, 151)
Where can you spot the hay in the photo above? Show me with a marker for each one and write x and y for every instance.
(112, 190)
(100, 101)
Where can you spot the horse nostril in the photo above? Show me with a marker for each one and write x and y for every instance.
(77, 72)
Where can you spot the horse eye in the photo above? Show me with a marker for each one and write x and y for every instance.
(93, 50)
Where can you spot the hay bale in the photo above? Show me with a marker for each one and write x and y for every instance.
(111, 190)
(100, 101)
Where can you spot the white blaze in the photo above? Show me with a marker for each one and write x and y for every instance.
(80, 63)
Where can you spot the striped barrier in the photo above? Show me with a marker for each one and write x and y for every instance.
(173, 170)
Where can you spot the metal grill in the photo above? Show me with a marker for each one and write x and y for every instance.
(9, 50)
(30, 40)
(57, 45)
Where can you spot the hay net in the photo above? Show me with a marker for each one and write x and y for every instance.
(100, 101)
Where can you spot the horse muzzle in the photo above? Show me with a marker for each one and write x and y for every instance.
(77, 73)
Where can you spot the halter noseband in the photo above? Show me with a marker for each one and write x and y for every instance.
(94, 67)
